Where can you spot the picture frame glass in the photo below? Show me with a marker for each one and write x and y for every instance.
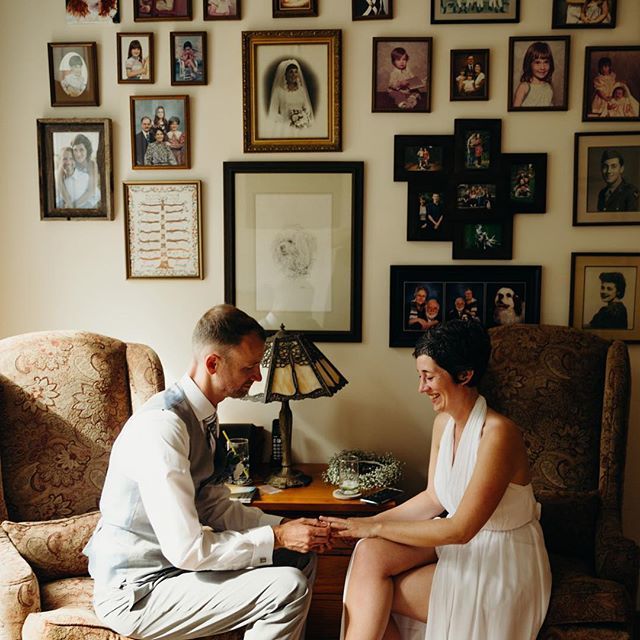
(220, 9)
(578, 14)
(469, 74)
(162, 10)
(73, 75)
(135, 57)
(188, 51)
(453, 11)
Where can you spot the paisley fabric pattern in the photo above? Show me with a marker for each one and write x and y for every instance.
(569, 391)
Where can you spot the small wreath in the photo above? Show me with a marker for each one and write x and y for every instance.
(375, 470)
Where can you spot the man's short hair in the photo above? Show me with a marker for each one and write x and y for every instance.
(617, 279)
(145, 118)
(224, 326)
(611, 154)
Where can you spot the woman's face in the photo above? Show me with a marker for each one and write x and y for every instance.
(160, 112)
(608, 292)
(421, 296)
(135, 52)
(159, 135)
(80, 153)
(173, 125)
(477, 68)
(291, 75)
(436, 383)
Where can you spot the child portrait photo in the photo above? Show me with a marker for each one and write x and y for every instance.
(162, 10)
(87, 11)
(135, 58)
(73, 74)
(584, 14)
(221, 9)
(189, 57)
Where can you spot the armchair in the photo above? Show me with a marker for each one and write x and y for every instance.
(569, 392)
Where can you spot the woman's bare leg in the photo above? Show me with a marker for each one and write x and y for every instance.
(370, 592)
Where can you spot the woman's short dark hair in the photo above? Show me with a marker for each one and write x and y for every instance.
(457, 346)
(225, 326)
(617, 279)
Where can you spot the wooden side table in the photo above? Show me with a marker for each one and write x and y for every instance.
(312, 501)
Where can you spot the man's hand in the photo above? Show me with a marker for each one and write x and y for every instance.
(303, 535)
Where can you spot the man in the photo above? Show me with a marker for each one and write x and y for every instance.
(172, 557)
(618, 195)
(143, 139)
(435, 213)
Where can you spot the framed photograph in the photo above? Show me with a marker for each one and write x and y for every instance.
(611, 84)
(422, 157)
(584, 14)
(538, 73)
(525, 182)
(423, 296)
(428, 211)
(75, 169)
(606, 178)
(156, 10)
(73, 74)
(473, 198)
(294, 8)
(483, 238)
(401, 80)
(477, 144)
(135, 58)
(188, 57)
(163, 222)
(454, 11)
(221, 9)
(605, 294)
(293, 245)
(292, 90)
(159, 132)
(371, 9)
(87, 11)
(469, 79)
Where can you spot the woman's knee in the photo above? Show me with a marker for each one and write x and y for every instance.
(373, 555)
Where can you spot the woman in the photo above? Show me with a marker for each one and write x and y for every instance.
(290, 106)
(158, 153)
(480, 573)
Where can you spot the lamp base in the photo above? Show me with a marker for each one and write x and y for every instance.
(288, 478)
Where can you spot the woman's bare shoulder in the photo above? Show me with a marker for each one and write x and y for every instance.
(499, 426)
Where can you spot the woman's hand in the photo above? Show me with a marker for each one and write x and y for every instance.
(352, 527)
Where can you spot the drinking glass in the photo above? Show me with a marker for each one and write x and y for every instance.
(349, 474)
(238, 449)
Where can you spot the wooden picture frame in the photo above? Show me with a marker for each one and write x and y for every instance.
(422, 157)
(492, 295)
(146, 120)
(161, 10)
(163, 228)
(302, 223)
(221, 9)
(525, 182)
(401, 79)
(135, 68)
(577, 14)
(469, 75)
(452, 12)
(606, 179)
(428, 210)
(272, 121)
(73, 74)
(605, 295)
(294, 8)
(75, 168)
(188, 57)
(533, 87)
(84, 12)
(371, 9)
(478, 143)
(611, 84)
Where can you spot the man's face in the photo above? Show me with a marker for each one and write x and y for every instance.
(146, 124)
(433, 308)
(436, 198)
(608, 292)
(239, 367)
(470, 61)
(612, 171)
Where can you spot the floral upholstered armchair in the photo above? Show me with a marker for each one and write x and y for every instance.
(569, 392)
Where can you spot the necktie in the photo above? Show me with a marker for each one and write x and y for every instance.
(211, 429)
(220, 469)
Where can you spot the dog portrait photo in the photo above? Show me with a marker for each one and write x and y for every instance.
(506, 303)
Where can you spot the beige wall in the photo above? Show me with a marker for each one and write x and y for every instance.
(72, 275)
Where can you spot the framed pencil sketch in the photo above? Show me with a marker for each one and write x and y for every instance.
(371, 9)
(188, 57)
(156, 10)
(483, 238)
(135, 58)
(75, 169)
(293, 245)
(221, 9)
(428, 211)
(606, 178)
(605, 294)
(294, 8)
(422, 157)
(525, 182)
(611, 84)
(73, 74)
(159, 132)
(401, 80)
(87, 11)
(426, 295)
(163, 222)
(584, 14)
(489, 11)
(477, 144)
(539, 73)
(292, 87)
(469, 76)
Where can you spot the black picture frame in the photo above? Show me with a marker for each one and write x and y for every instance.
(158, 11)
(428, 216)
(194, 69)
(523, 51)
(314, 210)
(473, 157)
(525, 182)
(376, 10)
(624, 63)
(445, 12)
(308, 9)
(73, 74)
(568, 14)
(482, 303)
(483, 238)
(209, 11)
(463, 72)
(409, 161)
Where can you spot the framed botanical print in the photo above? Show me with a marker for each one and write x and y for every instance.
(371, 9)
(292, 83)
(294, 8)
(75, 167)
(525, 182)
(483, 237)
(584, 14)
(469, 75)
(221, 9)
(422, 156)
(87, 11)
(135, 58)
(428, 211)
(156, 10)
(73, 74)
(457, 12)
(163, 223)
(188, 57)
(477, 144)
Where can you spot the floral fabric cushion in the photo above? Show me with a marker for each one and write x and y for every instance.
(53, 548)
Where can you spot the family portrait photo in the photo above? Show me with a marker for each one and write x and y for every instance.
(584, 14)
(162, 10)
(189, 57)
(73, 74)
(421, 156)
(135, 58)
(86, 11)
(475, 197)
(469, 74)
(427, 215)
(474, 11)
(221, 9)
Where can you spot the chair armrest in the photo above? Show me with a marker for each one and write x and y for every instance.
(616, 558)
(145, 373)
(19, 590)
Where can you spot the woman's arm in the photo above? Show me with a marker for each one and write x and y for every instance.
(520, 94)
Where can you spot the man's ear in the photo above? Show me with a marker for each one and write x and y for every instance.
(211, 363)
